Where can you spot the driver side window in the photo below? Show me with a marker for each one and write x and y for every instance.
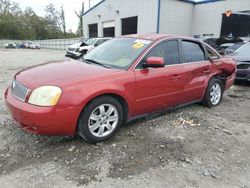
(168, 50)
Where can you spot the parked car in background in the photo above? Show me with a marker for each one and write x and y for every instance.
(211, 42)
(227, 39)
(72, 48)
(222, 43)
(242, 57)
(221, 49)
(122, 79)
(10, 45)
(245, 39)
(34, 45)
(76, 51)
(22, 45)
(232, 48)
(27, 44)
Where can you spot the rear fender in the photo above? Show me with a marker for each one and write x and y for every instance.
(217, 74)
(227, 67)
(224, 70)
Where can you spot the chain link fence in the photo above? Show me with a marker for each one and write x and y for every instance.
(58, 44)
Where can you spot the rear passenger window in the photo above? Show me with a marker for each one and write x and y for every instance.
(192, 52)
(168, 50)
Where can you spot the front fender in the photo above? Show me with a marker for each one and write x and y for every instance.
(84, 92)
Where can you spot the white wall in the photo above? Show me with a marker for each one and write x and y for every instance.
(176, 17)
(208, 16)
(145, 10)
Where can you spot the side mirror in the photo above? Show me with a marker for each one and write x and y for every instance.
(154, 62)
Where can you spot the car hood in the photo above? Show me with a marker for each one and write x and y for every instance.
(61, 73)
(240, 57)
(75, 45)
(85, 47)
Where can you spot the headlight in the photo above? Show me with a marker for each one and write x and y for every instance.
(45, 96)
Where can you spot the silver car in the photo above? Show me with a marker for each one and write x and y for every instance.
(79, 49)
(242, 57)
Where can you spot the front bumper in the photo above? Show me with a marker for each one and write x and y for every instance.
(243, 74)
(73, 54)
(57, 120)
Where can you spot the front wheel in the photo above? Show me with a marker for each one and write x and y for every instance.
(213, 93)
(100, 119)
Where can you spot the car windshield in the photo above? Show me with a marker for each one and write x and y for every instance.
(244, 49)
(234, 47)
(90, 41)
(118, 53)
(82, 40)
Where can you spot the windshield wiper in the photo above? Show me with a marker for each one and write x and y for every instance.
(96, 62)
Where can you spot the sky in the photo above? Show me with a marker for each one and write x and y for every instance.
(70, 6)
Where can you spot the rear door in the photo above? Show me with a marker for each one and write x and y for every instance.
(197, 69)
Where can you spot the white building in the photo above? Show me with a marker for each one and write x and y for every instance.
(197, 18)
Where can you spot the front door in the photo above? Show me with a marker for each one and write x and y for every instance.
(158, 88)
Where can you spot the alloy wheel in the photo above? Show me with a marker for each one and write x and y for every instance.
(215, 94)
(103, 120)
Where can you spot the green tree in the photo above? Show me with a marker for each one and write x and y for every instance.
(62, 19)
(9, 22)
(26, 25)
(80, 24)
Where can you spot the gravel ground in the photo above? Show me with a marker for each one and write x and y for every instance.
(191, 147)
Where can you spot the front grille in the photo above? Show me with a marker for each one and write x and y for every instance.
(71, 49)
(239, 75)
(19, 91)
(243, 66)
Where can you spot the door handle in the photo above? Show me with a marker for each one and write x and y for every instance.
(175, 77)
(206, 71)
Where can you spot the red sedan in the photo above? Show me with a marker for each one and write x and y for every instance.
(124, 78)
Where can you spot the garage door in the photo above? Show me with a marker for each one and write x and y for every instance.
(236, 24)
(109, 28)
(93, 32)
(129, 25)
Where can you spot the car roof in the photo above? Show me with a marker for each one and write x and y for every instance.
(101, 38)
(156, 36)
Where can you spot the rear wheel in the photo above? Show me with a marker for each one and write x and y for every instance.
(100, 119)
(213, 93)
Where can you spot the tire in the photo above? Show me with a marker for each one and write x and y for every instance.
(214, 93)
(100, 115)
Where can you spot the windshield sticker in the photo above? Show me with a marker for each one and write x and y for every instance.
(142, 41)
(138, 45)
